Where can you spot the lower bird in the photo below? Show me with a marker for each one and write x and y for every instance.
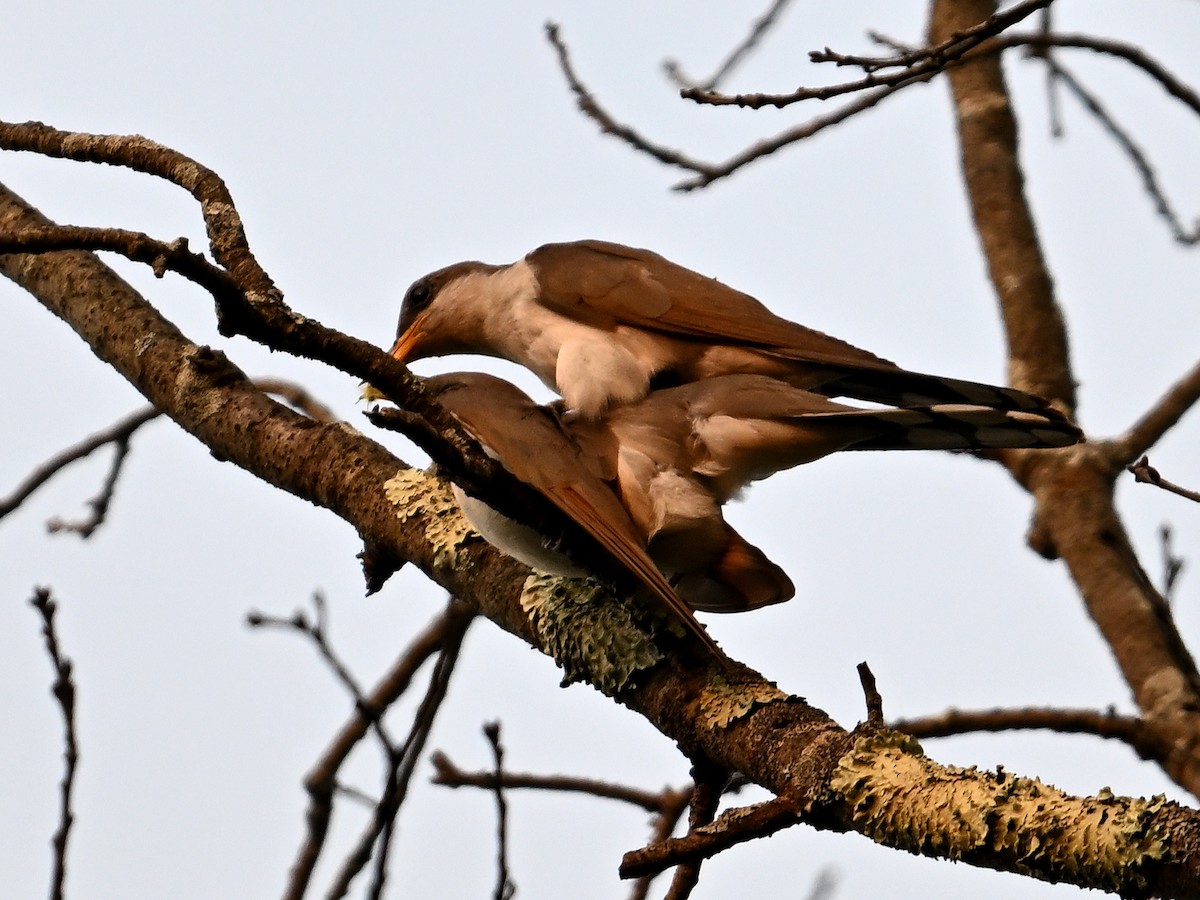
(649, 479)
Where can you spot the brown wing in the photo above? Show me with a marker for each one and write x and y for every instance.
(636, 287)
(528, 441)
(607, 284)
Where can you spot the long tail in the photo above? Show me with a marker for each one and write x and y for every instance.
(959, 426)
(900, 387)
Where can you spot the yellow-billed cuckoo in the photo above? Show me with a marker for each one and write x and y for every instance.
(603, 324)
(652, 476)
(533, 443)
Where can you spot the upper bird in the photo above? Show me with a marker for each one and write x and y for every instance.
(603, 324)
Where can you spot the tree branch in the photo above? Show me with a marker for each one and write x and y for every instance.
(1159, 419)
(1145, 473)
(321, 782)
(706, 172)
(64, 692)
(914, 65)
(742, 723)
(758, 30)
(119, 432)
(1129, 729)
(1075, 517)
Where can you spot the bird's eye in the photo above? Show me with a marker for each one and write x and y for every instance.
(418, 295)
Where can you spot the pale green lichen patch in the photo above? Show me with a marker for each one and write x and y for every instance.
(902, 799)
(722, 703)
(588, 631)
(419, 494)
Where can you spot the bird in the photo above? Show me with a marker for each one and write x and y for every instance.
(528, 440)
(603, 324)
(649, 479)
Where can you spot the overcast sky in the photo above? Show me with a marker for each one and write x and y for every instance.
(367, 144)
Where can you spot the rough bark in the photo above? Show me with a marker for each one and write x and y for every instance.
(1075, 519)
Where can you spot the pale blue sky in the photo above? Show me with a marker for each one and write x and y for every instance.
(369, 143)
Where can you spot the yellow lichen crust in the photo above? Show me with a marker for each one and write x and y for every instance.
(722, 703)
(592, 634)
(902, 799)
(415, 493)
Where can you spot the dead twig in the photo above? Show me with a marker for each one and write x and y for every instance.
(376, 838)
(1130, 53)
(913, 66)
(118, 433)
(674, 803)
(505, 888)
(222, 221)
(1136, 155)
(871, 695)
(705, 172)
(710, 782)
(729, 829)
(447, 774)
(321, 782)
(1172, 564)
(315, 629)
(757, 32)
(1144, 472)
(63, 689)
(1105, 724)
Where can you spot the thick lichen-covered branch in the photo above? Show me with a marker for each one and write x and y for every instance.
(1019, 824)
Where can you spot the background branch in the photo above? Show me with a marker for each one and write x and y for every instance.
(1075, 516)
(63, 690)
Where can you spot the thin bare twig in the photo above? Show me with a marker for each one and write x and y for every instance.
(709, 784)
(588, 105)
(376, 838)
(1132, 54)
(116, 433)
(505, 887)
(162, 257)
(914, 65)
(316, 631)
(1105, 724)
(1172, 564)
(871, 695)
(447, 774)
(1137, 156)
(729, 829)
(1158, 420)
(1145, 473)
(63, 689)
(222, 221)
(120, 435)
(321, 781)
(950, 49)
(674, 804)
(100, 503)
(757, 31)
(356, 794)
(1053, 94)
(706, 172)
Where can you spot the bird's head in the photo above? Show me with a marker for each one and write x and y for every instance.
(438, 315)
